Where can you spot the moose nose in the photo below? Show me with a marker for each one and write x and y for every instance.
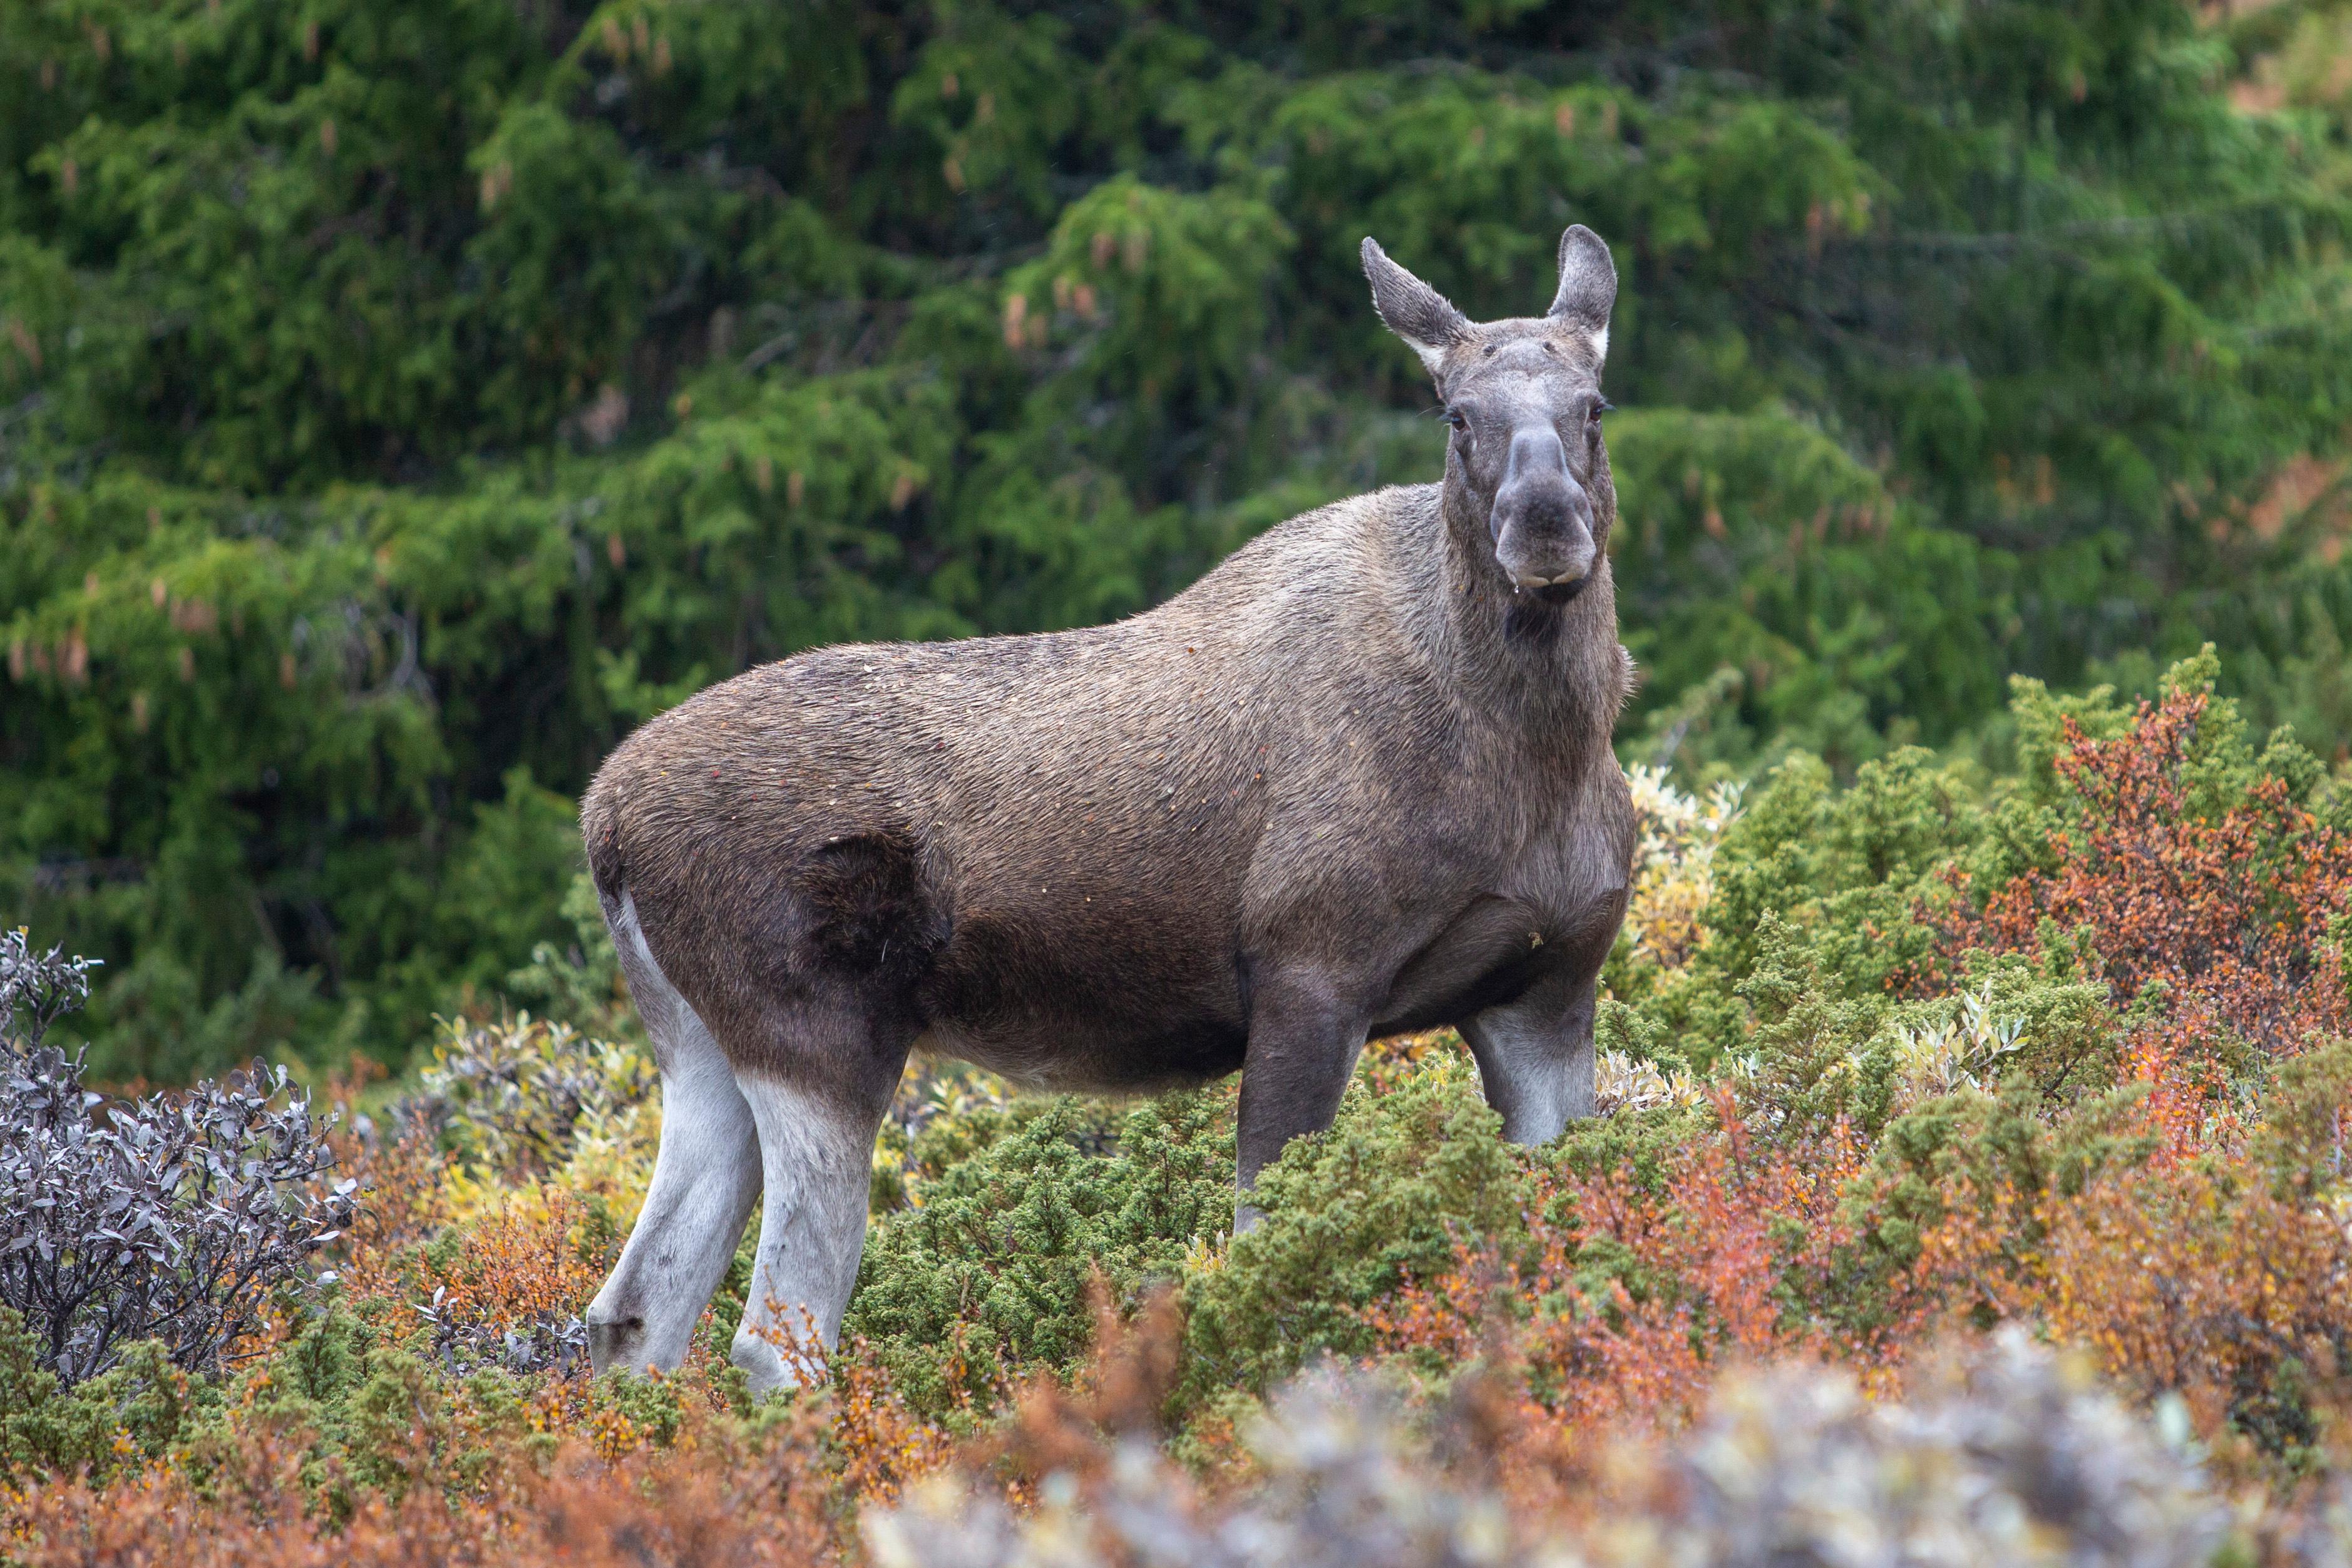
(1543, 518)
(1539, 490)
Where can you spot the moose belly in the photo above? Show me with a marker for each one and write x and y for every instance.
(1123, 1010)
(1098, 1054)
(1123, 1000)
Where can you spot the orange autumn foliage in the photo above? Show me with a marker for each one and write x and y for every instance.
(877, 1444)
(2228, 911)
(2197, 1281)
(1724, 1252)
(709, 1500)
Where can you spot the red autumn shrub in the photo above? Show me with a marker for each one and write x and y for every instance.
(1630, 1296)
(2227, 906)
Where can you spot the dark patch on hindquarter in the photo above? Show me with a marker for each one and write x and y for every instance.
(601, 833)
(868, 911)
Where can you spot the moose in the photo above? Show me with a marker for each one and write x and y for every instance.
(1356, 782)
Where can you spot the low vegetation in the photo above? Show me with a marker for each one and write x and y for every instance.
(1974, 1185)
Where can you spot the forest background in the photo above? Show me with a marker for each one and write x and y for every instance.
(398, 402)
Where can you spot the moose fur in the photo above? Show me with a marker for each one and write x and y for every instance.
(1355, 781)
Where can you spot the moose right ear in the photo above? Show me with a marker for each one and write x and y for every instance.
(1411, 309)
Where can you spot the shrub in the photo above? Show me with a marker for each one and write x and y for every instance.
(2306, 1140)
(1384, 1197)
(133, 1411)
(1624, 1289)
(507, 1289)
(1808, 879)
(2009, 1456)
(2195, 877)
(172, 1217)
(1960, 1185)
(758, 1503)
(515, 1095)
(984, 1280)
(1341, 1485)
(961, 1107)
(2200, 1282)
(37, 989)
(1673, 874)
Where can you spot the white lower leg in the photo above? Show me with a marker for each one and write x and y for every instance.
(705, 1181)
(1536, 1072)
(816, 1158)
(706, 1177)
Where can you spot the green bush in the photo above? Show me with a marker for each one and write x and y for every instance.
(1401, 1180)
(983, 1280)
(130, 1413)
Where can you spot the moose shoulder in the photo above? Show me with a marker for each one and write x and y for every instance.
(1356, 780)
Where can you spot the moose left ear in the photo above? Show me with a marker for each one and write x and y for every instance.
(1588, 286)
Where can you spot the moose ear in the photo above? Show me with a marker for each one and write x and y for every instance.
(1588, 286)
(1411, 309)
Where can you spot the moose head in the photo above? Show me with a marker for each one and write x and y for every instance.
(1523, 397)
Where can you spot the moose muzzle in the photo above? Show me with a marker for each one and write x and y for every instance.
(1543, 518)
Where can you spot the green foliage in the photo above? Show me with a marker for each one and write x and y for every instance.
(133, 1412)
(1382, 1199)
(578, 983)
(985, 1280)
(519, 1095)
(1816, 901)
(2306, 1140)
(399, 401)
(1995, 1153)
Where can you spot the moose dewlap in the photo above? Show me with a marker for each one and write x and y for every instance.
(1357, 780)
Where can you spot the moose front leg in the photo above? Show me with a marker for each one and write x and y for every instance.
(1535, 1057)
(1303, 1044)
(1535, 1053)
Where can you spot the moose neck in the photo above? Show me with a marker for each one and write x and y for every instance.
(1552, 672)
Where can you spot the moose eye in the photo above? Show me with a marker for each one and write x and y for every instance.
(1600, 405)
(1457, 419)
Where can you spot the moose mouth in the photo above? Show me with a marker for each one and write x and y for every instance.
(1561, 592)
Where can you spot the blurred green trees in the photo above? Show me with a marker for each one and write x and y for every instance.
(399, 401)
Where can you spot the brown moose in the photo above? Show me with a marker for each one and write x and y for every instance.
(1357, 780)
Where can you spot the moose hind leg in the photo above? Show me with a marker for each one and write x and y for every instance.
(706, 1177)
(816, 1158)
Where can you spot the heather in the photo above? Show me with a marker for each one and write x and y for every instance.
(1987, 1197)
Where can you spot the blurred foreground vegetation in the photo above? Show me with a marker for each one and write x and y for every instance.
(398, 402)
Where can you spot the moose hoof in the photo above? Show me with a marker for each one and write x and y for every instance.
(615, 1339)
(765, 1371)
